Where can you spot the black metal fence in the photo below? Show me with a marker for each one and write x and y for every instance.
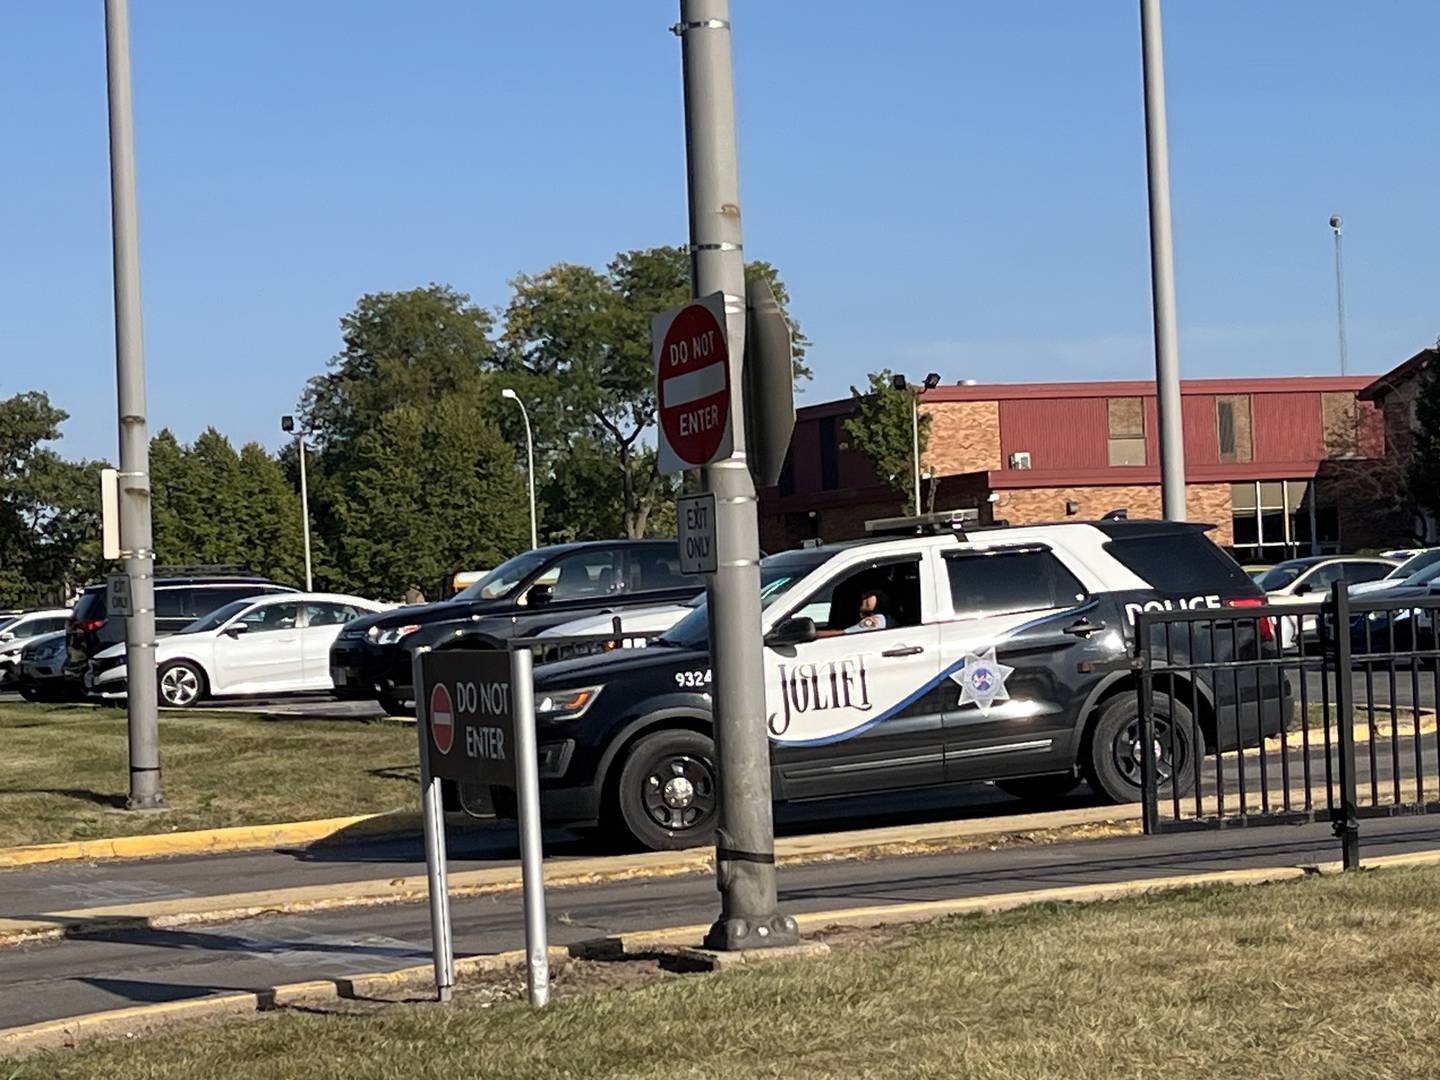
(1274, 714)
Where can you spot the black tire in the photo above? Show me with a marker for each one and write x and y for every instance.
(181, 684)
(667, 794)
(1112, 763)
(1040, 789)
(395, 706)
(31, 693)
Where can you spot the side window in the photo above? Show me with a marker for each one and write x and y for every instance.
(49, 626)
(324, 614)
(835, 606)
(653, 569)
(1000, 582)
(204, 601)
(1365, 571)
(586, 573)
(271, 617)
(173, 604)
(1321, 578)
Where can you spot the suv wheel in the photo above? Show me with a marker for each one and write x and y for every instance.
(667, 794)
(1040, 789)
(182, 684)
(395, 706)
(1113, 763)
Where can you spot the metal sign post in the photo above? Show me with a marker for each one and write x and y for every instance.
(475, 715)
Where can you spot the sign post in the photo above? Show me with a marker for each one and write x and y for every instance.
(475, 711)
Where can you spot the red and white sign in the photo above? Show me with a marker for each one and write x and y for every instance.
(442, 718)
(692, 384)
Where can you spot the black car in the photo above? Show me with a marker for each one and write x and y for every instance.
(527, 594)
(180, 599)
(1002, 655)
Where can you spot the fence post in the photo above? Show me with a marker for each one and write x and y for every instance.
(1149, 780)
(1346, 823)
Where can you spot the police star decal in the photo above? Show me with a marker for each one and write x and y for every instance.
(982, 680)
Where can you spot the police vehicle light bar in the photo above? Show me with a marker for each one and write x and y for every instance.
(942, 522)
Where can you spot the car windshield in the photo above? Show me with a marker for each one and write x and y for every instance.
(778, 574)
(1429, 575)
(217, 618)
(1277, 577)
(1415, 565)
(505, 578)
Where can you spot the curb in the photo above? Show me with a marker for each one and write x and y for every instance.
(214, 841)
(684, 940)
(567, 873)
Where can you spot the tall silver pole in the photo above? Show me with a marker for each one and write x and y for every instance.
(135, 537)
(915, 441)
(530, 465)
(1335, 223)
(532, 854)
(745, 843)
(305, 510)
(1162, 269)
(432, 816)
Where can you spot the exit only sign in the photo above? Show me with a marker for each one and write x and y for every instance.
(696, 517)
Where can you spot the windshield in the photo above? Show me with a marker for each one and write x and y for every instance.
(217, 618)
(6, 620)
(1427, 576)
(778, 574)
(1416, 564)
(505, 578)
(1277, 577)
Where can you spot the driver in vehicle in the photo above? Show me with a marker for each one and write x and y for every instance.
(870, 615)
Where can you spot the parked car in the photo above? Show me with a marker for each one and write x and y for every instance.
(642, 621)
(1417, 563)
(16, 631)
(1000, 657)
(41, 669)
(1307, 580)
(524, 595)
(276, 644)
(179, 601)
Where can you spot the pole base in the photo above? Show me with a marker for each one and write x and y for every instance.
(147, 802)
(736, 932)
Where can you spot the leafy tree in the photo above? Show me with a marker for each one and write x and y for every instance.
(881, 428)
(1425, 463)
(580, 340)
(581, 490)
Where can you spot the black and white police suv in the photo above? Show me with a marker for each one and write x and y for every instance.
(909, 661)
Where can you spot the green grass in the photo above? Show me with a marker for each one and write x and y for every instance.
(64, 771)
(1323, 977)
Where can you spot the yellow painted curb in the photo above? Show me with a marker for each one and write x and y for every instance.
(210, 841)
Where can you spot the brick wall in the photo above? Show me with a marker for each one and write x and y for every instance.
(964, 437)
(1204, 502)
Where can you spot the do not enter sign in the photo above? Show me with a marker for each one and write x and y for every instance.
(442, 718)
(692, 384)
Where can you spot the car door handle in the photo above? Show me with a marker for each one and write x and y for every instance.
(904, 650)
(1084, 628)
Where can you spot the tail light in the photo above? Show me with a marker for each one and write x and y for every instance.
(1267, 624)
(89, 626)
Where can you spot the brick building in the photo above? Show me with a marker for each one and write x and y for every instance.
(1396, 394)
(1257, 454)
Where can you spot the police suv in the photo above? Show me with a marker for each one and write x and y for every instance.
(910, 661)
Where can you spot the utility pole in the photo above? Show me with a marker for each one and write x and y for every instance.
(134, 472)
(1162, 268)
(745, 843)
(288, 425)
(1335, 223)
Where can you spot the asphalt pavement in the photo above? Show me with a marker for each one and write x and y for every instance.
(117, 969)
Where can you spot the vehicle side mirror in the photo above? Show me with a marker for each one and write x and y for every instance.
(6, 635)
(540, 595)
(237, 629)
(796, 631)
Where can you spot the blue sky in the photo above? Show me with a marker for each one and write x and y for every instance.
(955, 187)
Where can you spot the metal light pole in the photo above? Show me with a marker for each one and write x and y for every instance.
(530, 458)
(1335, 223)
(745, 842)
(287, 423)
(134, 474)
(1162, 268)
(932, 380)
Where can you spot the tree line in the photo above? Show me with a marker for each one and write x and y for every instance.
(416, 463)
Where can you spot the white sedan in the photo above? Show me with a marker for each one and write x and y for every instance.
(275, 644)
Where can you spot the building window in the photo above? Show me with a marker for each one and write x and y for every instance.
(1232, 428)
(1341, 424)
(829, 454)
(1282, 519)
(1127, 430)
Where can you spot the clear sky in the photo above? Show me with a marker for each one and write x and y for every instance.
(951, 186)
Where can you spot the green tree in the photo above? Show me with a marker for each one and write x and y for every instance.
(1424, 478)
(579, 339)
(882, 428)
(580, 495)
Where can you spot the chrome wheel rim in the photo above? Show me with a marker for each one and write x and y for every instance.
(179, 686)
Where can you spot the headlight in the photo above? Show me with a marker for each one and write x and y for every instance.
(565, 704)
(389, 635)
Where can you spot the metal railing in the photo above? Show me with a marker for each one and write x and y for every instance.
(1293, 713)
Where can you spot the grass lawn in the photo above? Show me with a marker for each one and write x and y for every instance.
(1323, 977)
(64, 771)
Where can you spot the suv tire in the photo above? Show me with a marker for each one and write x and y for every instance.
(181, 684)
(1040, 789)
(667, 794)
(1112, 763)
(395, 706)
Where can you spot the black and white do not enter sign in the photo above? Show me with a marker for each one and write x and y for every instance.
(470, 717)
(696, 517)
